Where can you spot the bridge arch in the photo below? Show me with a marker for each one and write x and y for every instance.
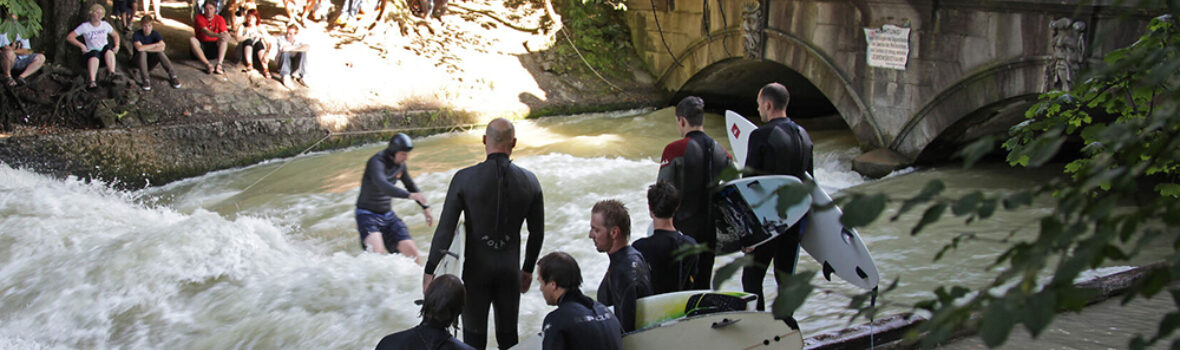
(701, 59)
(988, 100)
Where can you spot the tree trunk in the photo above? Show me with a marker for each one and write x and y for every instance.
(59, 18)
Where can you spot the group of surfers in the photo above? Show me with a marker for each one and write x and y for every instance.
(498, 197)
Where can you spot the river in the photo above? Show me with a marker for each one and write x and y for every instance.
(267, 256)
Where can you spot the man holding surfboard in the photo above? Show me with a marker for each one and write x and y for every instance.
(692, 164)
(778, 147)
(495, 197)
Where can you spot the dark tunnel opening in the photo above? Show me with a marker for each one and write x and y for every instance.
(733, 84)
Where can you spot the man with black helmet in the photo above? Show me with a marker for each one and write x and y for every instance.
(495, 197)
(378, 226)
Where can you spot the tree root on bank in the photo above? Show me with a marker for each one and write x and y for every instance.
(549, 13)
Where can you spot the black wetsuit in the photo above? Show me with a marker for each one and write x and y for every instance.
(780, 147)
(425, 336)
(495, 197)
(377, 185)
(627, 278)
(581, 323)
(684, 164)
(667, 273)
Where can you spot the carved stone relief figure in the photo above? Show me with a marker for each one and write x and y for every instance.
(752, 26)
(1069, 52)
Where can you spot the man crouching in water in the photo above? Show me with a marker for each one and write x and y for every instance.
(440, 310)
(379, 227)
(579, 322)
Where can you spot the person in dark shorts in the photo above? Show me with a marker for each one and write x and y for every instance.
(628, 277)
(668, 273)
(495, 197)
(778, 147)
(101, 44)
(254, 42)
(149, 51)
(692, 164)
(579, 322)
(17, 57)
(210, 38)
(379, 227)
(125, 11)
(440, 310)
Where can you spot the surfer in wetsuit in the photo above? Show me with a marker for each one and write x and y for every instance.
(579, 322)
(668, 274)
(692, 164)
(440, 309)
(378, 226)
(778, 147)
(496, 197)
(628, 277)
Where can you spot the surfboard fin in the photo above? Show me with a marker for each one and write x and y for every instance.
(828, 270)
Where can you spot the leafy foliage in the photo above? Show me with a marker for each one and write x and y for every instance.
(28, 22)
(598, 30)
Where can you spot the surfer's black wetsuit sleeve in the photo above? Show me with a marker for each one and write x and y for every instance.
(447, 222)
(536, 225)
(581, 323)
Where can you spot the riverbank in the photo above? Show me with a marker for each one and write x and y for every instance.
(362, 85)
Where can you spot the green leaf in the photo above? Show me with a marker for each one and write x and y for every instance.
(1018, 199)
(931, 216)
(1168, 325)
(727, 271)
(976, 150)
(1038, 312)
(933, 188)
(967, 204)
(793, 194)
(996, 324)
(792, 292)
(862, 210)
(987, 208)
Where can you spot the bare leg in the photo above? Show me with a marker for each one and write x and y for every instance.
(92, 68)
(376, 243)
(109, 57)
(7, 59)
(409, 249)
(196, 46)
(248, 56)
(33, 67)
(222, 44)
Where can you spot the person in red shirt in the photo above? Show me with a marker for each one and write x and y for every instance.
(211, 38)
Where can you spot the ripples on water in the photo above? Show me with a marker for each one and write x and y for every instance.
(211, 262)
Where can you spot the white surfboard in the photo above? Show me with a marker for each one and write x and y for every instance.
(750, 211)
(452, 260)
(839, 251)
(653, 310)
(739, 129)
(725, 330)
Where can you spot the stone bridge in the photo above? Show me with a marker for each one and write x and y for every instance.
(971, 67)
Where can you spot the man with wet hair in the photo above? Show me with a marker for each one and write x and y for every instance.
(440, 309)
(379, 227)
(778, 147)
(579, 322)
(495, 197)
(628, 277)
(692, 164)
(669, 273)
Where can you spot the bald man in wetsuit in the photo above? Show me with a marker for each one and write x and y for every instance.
(778, 147)
(496, 197)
